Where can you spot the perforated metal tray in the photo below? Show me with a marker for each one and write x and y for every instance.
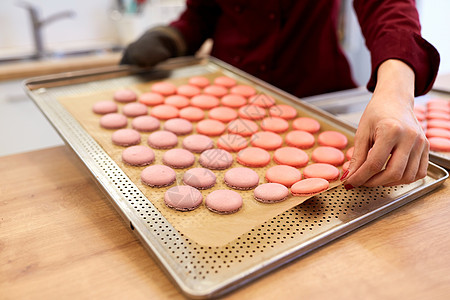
(199, 271)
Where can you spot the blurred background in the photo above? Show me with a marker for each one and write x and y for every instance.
(84, 26)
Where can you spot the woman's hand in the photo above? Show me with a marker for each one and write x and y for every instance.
(389, 130)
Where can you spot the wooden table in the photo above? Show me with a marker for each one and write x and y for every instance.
(60, 238)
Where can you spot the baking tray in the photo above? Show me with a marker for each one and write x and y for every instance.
(349, 105)
(203, 272)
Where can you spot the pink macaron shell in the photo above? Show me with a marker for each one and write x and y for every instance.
(253, 157)
(271, 192)
(134, 109)
(200, 178)
(283, 174)
(215, 90)
(210, 127)
(252, 112)
(232, 142)
(243, 90)
(164, 88)
(138, 155)
(164, 112)
(162, 139)
(438, 108)
(291, 156)
(224, 201)
(151, 99)
(438, 132)
(332, 139)
(178, 158)
(436, 123)
(309, 186)
(242, 127)
(306, 124)
(158, 176)
(126, 137)
(125, 95)
(105, 107)
(183, 198)
(438, 101)
(145, 123)
(205, 101)
(439, 144)
(267, 140)
(275, 124)
(199, 81)
(178, 126)
(328, 155)
(284, 111)
(216, 159)
(233, 101)
(198, 143)
(440, 115)
(177, 100)
(225, 81)
(321, 170)
(300, 139)
(188, 90)
(241, 178)
(191, 113)
(113, 121)
(223, 114)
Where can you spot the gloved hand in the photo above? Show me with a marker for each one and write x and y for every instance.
(154, 46)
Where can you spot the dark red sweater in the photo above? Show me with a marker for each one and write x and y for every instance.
(293, 44)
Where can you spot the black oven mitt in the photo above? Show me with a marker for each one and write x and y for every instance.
(154, 46)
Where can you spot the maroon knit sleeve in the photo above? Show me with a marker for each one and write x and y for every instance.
(392, 31)
(197, 22)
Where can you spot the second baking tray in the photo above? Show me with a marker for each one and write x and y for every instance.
(200, 271)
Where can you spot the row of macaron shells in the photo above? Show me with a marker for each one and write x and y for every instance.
(250, 156)
(434, 116)
(235, 140)
(178, 124)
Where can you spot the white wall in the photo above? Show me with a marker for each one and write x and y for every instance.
(435, 20)
(91, 27)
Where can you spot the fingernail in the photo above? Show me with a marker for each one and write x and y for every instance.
(344, 175)
(348, 187)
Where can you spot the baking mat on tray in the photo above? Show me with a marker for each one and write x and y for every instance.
(200, 225)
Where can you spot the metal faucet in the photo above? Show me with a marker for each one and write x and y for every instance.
(38, 23)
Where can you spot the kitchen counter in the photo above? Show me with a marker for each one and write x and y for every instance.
(32, 68)
(61, 238)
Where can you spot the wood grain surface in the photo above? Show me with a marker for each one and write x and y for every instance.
(60, 238)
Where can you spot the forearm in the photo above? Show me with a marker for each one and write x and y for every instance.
(396, 79)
